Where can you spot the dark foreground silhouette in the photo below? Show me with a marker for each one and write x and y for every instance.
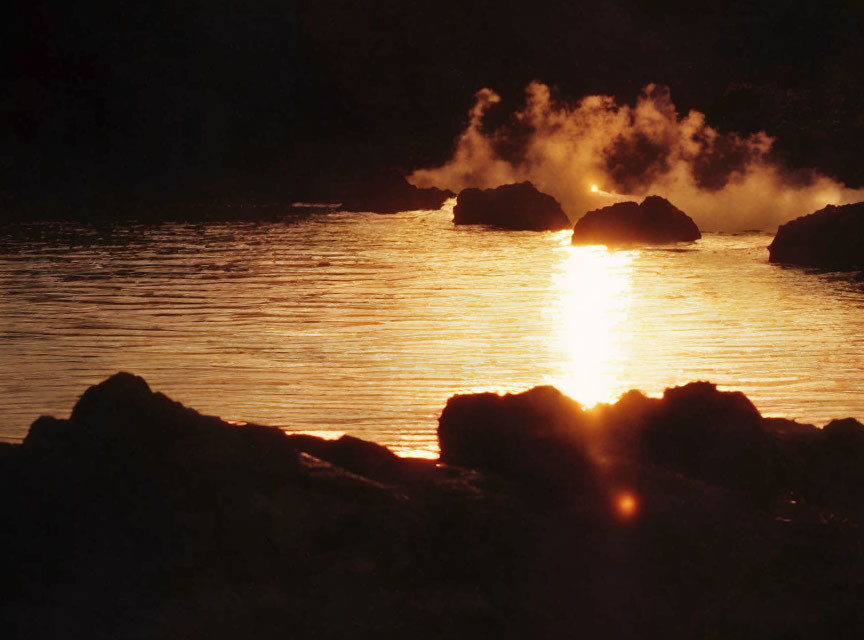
(688, 516)
(654, 221)
(520, 207)
(831, 238)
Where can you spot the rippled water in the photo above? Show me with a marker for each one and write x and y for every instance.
(366, 324)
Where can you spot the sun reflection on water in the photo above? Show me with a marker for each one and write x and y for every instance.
(350, 323)
(593, 288)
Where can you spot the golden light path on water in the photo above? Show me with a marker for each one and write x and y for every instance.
(593, 288)
(365, 325)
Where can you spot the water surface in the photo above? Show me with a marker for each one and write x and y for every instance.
(366, 324)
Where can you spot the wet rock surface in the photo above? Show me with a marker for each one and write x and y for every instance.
(653, 221)
(520, 207)
(831, 238)
(138, 517)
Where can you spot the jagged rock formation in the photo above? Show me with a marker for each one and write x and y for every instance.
(654, 221)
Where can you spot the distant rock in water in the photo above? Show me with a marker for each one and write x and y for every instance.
(654, 221)
(832, 238)
(389, 192)
(520, 207)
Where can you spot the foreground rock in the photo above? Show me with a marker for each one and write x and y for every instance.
(545, 439)
(519, 207)
(538, 437)
(140, 518)
(696, 430)
(366, 459)
(654, 221)
(389, 192)
(831, 238)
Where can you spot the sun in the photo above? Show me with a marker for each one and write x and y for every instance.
(594, 188)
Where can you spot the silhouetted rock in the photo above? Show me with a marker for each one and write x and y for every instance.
(362, 457)
(697, 430)
(174, 524)
(544, 438)
(793, 443)
(389, 192)
(713, 435)
(537, 436)
(834, 473)
(844, 435)
(122, 422)
(831, 238)
(654, 221)
(510, 206)
(140, 518)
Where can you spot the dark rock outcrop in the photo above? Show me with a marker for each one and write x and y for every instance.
(519, 207)
(539, 436)
(388, 192)
(834, 472)
(708, 434)
(140, 518)
(793, 444)
(545, 439)
(654, 221)
(122, 422)
(831, 238)
(366, 459)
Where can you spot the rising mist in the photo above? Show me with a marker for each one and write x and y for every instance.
(724, 181)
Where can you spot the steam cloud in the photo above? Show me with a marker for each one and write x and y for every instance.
(724, 181)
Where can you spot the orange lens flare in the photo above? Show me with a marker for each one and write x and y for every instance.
(626, 505)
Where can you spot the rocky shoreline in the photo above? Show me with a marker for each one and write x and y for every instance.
(689, 515)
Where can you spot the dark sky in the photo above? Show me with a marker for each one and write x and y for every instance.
(265, 99)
